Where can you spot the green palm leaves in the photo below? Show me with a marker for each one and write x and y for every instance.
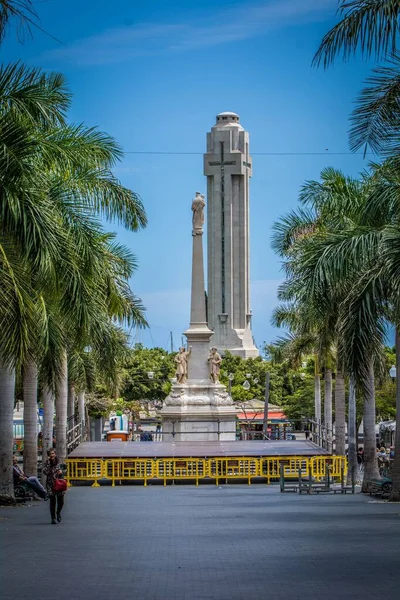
(55, 180)
(64, 280)
(369, 26)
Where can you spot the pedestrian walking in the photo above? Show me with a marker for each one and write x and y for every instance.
(53, 472)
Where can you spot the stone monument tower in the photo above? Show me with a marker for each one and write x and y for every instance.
(198, 407)
(227, 165)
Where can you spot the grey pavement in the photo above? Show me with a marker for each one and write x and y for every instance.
(180, 542)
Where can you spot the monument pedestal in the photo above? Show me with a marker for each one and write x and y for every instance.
(199, 411)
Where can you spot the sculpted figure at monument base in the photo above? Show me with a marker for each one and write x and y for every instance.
(214, 362)
(181, 360)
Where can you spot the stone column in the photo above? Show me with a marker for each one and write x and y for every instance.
(198, 305)
(198, 335)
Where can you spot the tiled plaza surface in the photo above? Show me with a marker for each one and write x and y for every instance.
(231, 542)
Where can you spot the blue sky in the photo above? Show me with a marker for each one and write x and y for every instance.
(155, 74)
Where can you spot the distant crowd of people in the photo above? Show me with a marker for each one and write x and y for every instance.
(384, 456)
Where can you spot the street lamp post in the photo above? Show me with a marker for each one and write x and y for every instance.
(266, 405)
(393, 373)
(231, 377)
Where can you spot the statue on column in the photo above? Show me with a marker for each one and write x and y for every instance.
(198, 205)
(182, 359)
(214, 361)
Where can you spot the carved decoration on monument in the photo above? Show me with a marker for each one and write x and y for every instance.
(181, 360)
(214, 362)
(198, 205)
(221, 398)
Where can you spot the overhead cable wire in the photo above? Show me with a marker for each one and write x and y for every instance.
(327, 153)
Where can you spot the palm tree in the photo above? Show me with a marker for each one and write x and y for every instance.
(7, 390)
(54, 180)
(318, 213)
(366, 253)
(302, 340)
(48, 421)
(373, 27)
(30, 396)
(339, 202)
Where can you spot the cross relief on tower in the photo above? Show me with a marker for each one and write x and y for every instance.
(227, 165)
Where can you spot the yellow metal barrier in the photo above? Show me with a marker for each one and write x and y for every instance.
(87, 469)
(168, 469)
(195, 469)
(235, 467)
(129, 469)
(337, 464)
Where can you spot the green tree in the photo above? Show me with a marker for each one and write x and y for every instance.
(335, 206)
(363, 259)
(372, 27)
(146, 374)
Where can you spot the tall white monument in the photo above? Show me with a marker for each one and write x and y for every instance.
(198, 407)
(227, 165)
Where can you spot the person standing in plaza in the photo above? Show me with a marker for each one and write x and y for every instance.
(52, 470)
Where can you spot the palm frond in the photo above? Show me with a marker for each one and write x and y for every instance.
(382, 204)
(376, 119)
(362, 327)
(290, 228)
(370, 26)
(29, 93)
(21, 11)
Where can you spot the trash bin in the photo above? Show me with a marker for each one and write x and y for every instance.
(117, 436)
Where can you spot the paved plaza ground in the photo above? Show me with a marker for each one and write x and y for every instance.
(180, 542)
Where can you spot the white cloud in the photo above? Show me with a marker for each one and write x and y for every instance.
(234, 23)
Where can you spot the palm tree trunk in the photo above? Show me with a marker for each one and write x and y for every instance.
(48, 423)
(30, 391)
(7, 395)
(351, 429)
(317, 400)
(395, 472)
(61, 410)
(328, 407)
(317, 407)
(81, 407)
(340, 415)
(371, 470)
(71, 399)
